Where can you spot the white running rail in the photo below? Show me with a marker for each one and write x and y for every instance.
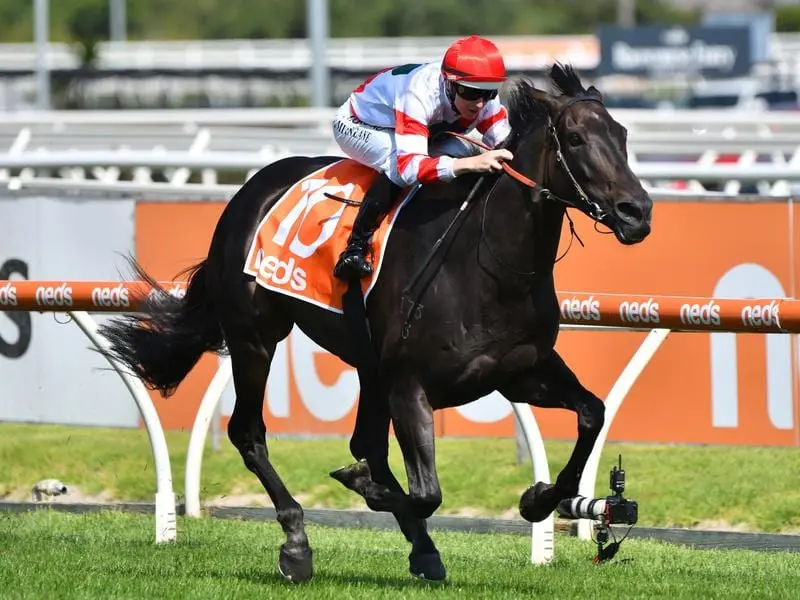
(166, 530)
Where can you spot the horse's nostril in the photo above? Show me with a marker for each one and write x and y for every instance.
(629, 212)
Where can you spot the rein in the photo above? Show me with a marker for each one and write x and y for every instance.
(506, 167)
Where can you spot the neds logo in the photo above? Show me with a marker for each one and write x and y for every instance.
(700, 314)
(8, 295)
(54, 296)
(639, 312)
(574, 309)
(767, 315)
(281, 273)
(177, 291)
(117, 296)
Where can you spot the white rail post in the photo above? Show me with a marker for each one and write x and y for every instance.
(197, 439)
(166, 530)
(542, 542)
(614, 400)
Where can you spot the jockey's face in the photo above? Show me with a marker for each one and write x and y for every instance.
(470, 101)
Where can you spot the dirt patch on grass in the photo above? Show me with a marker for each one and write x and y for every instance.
(262, 499)
(717, 525)
(74, 495)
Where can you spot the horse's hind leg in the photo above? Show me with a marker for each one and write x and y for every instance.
(551, 384)
(252, 348)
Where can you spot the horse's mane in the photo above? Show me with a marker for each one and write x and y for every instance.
(526, 110)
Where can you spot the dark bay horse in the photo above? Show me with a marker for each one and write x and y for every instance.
(485, 318)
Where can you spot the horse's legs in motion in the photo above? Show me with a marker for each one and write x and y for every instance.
(370, 441)
(252, 349)
(552, 384)
(371, 477)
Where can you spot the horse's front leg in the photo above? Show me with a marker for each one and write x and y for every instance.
(372, 478)
(552, 384)
(412, 418)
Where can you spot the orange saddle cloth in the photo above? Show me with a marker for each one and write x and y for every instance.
(299, 240)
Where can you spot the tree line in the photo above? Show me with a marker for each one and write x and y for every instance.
(78, 20)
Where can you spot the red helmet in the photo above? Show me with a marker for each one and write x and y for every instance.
(474, 62)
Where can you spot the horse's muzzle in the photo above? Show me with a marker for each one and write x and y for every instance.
(631, 220)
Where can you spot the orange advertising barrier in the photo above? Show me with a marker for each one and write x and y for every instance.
(705, 387)
(678, 313)
(700, 387)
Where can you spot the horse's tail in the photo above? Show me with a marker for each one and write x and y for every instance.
(163, 343)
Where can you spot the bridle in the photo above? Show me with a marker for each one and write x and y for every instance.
(584, 203)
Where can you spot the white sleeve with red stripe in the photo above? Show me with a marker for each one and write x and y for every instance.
(412, 115)
(493, 123)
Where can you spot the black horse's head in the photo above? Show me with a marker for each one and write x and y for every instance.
(590, 171)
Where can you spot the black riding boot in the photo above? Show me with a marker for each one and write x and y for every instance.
(377, 202)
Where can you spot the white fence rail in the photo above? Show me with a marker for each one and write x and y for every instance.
(309, 129)
(665, 119)
(779, 177)
(761, 149)
(244, 161)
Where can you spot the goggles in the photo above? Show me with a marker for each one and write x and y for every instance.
(473, 94)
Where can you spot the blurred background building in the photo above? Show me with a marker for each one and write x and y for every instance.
(109, 54)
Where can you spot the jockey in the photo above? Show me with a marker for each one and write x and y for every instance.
(388, 120)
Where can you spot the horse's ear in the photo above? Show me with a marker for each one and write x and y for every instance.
(595, 92)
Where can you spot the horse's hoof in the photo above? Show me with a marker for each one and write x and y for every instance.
(538, 501)
(354, 477)
(427, 567)
(295, 564)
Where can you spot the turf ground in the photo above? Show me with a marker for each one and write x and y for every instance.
(111, 555)
(676, 486)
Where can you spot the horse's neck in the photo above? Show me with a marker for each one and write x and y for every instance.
(551, 213)
(523, 227)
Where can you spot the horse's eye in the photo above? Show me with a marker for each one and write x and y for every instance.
(574, 139)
